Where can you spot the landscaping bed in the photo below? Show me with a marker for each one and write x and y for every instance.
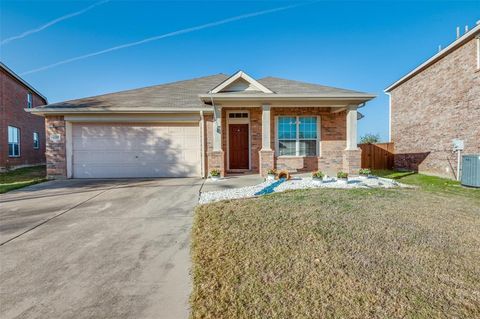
(271, 186)
(316, 253)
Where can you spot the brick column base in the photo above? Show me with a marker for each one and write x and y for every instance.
(55, 147)
(352, 160)
(267, 161)
(216, 160)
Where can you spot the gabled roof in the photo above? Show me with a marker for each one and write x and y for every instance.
(195, 95)
(454, 45)
(240, 76)
(290, 89)
(16, 76)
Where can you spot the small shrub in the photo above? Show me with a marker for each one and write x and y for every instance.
(272, 171)
(342, 175)
(365, 171)
(318, 174)
(215, 172)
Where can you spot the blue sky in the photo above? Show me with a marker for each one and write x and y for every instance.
(361, 45)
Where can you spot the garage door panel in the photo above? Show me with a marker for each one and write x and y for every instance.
(102, 151)
(134, 171)
(126, 144)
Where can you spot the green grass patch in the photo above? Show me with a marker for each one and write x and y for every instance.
(22, 177)
(330, 253)
(430, 183)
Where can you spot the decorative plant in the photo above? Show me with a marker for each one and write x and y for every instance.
(215, 172)
(342, 175)
(365, 171)
(272, 171)
(283, 174)
(318, 174)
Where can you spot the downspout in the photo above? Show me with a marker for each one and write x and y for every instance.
(202, 142)
(389, 116)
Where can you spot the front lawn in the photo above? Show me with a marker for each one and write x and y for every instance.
(430, 183)
(330, 253)
(22, 177)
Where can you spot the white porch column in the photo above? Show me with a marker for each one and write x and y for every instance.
(266, 144)
(217, 128)
(351, 128)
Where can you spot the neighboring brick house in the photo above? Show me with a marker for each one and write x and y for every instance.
(187, 128)
(435, 103)
(22, 134)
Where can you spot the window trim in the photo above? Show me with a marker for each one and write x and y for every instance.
(36, 147)
(29, 100)
(19, 141)
(318, 152)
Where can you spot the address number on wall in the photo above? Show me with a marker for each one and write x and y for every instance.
(55, 138)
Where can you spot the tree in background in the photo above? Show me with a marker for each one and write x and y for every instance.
(370, 138)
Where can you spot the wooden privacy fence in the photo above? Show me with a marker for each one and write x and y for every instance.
(377, 156)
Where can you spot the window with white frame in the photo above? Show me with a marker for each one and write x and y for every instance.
(238, 115)
(36, 141)
(297, 136)
(29, 100)
(13, 141)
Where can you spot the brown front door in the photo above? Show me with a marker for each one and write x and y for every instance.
(238, 145)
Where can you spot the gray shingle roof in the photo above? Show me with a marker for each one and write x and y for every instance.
(175, 95)
(284, 86)
(184, 95)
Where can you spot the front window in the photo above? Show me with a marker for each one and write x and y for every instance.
(29, 100)
(297, 136)
(13, 141)
(36, 141)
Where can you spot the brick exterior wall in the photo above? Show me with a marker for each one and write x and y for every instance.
(332, 144)
(267, 161)
(435, 106)
(333, 135)
(352, 161)
(55, 150)
(13, 100)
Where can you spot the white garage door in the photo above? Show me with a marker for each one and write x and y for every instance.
(135, 150)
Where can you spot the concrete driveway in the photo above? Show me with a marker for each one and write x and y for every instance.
(97, 249)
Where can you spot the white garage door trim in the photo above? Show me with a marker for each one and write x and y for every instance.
(167, 150)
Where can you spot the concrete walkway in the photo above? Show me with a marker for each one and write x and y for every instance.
(232, 182)
(97, 249)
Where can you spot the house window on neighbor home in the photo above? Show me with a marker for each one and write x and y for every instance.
(36, 141)
(13, 141)
(297, 136)
(29, 100)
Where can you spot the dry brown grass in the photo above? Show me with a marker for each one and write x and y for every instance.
(338, 253)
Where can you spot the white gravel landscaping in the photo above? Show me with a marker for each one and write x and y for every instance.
(296, 183)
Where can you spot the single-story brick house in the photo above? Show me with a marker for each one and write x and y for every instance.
(231, 123)
(435, 103)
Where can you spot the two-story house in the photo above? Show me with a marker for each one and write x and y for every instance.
(437, 102)
(22, 134)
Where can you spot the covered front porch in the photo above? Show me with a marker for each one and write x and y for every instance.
(251, 139)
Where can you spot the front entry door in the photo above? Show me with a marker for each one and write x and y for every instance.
(238, 145)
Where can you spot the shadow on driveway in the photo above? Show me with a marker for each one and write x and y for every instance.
(97, 248)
